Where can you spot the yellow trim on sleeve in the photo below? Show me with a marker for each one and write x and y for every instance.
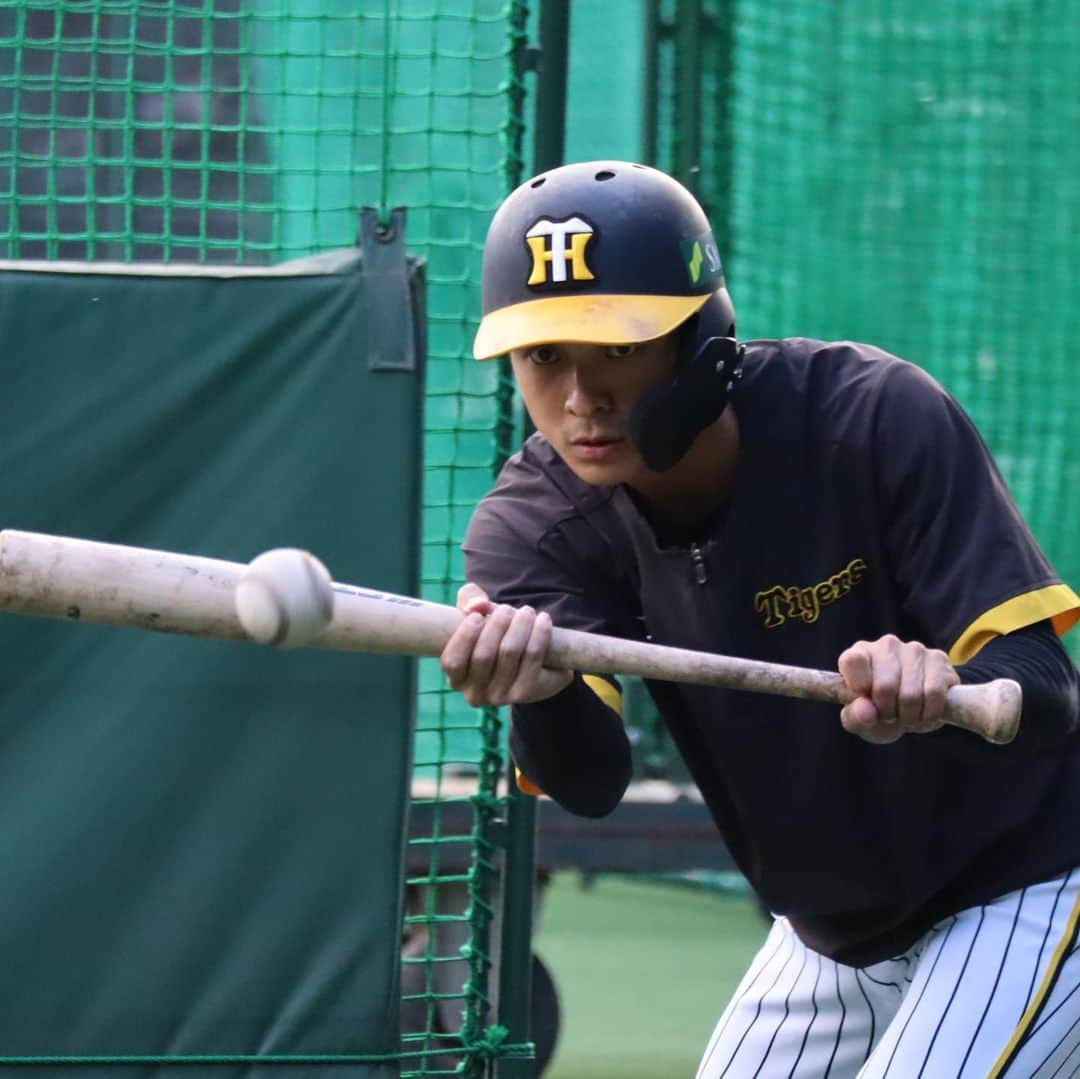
(526, 786)
(605, 691)
(1058, 602)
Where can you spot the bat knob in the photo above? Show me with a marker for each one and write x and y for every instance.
(991, 709)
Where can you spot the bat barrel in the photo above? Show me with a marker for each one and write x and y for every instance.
(87, 581)
(366, 620)
(82, 580)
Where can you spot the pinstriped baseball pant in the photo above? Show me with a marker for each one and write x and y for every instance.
(992, 993)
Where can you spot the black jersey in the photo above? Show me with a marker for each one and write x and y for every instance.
(864, 503)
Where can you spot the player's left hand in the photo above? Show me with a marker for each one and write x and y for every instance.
(900, 688)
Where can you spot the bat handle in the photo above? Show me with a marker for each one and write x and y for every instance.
(990, 709)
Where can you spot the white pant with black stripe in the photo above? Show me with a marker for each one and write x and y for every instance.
(992, 992)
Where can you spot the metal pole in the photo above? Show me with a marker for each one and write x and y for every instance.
(723, 59)
(519, 878)
(650, 108)
(515, 948)
(549, 140)
(688, 42)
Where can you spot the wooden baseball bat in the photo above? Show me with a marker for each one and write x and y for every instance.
(83, 580)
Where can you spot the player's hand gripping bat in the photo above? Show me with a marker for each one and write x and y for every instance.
(82, 580)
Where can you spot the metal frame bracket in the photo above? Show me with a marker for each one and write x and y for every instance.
(388, 299)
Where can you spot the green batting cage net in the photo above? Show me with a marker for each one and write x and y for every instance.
(252, 132)
(903, 172)
(906, 173)
(909, 174)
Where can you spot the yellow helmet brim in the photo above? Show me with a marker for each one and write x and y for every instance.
(596, 319)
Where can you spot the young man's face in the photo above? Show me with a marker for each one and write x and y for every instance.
(580, 398)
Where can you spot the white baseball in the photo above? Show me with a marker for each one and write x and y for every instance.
(285, 598)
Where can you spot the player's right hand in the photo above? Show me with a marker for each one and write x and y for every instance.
(496, 655)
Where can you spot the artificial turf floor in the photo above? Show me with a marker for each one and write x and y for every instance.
(642, 970)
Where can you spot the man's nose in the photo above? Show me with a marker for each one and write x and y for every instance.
(587, 394)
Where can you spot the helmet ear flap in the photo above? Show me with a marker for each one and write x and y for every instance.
(668, 417)
(652, 428)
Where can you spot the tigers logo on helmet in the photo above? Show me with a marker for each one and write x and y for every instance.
(558, 246)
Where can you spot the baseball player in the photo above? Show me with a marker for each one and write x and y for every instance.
(826, 505)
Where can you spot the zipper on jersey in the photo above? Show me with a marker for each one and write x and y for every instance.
(699, 564)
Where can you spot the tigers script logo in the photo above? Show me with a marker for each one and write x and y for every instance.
(781, 603)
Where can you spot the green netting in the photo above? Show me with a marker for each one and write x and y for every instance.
(903, 173)
(251, 132)
(908, 173)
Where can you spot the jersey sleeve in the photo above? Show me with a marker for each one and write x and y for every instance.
(565, 571)
(524, 546)
(968, 565)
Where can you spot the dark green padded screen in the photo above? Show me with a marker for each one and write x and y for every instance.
(202, 842)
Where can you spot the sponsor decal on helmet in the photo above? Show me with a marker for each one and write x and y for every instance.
(558, 251)
(703, 260)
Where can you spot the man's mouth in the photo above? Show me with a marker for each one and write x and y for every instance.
(597, 447)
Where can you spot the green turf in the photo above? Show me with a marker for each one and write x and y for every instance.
(643, 971)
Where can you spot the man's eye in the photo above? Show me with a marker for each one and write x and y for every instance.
(621, 350)
(543, 354)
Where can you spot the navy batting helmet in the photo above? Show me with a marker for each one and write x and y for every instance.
(615, 253)
(606, 252)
